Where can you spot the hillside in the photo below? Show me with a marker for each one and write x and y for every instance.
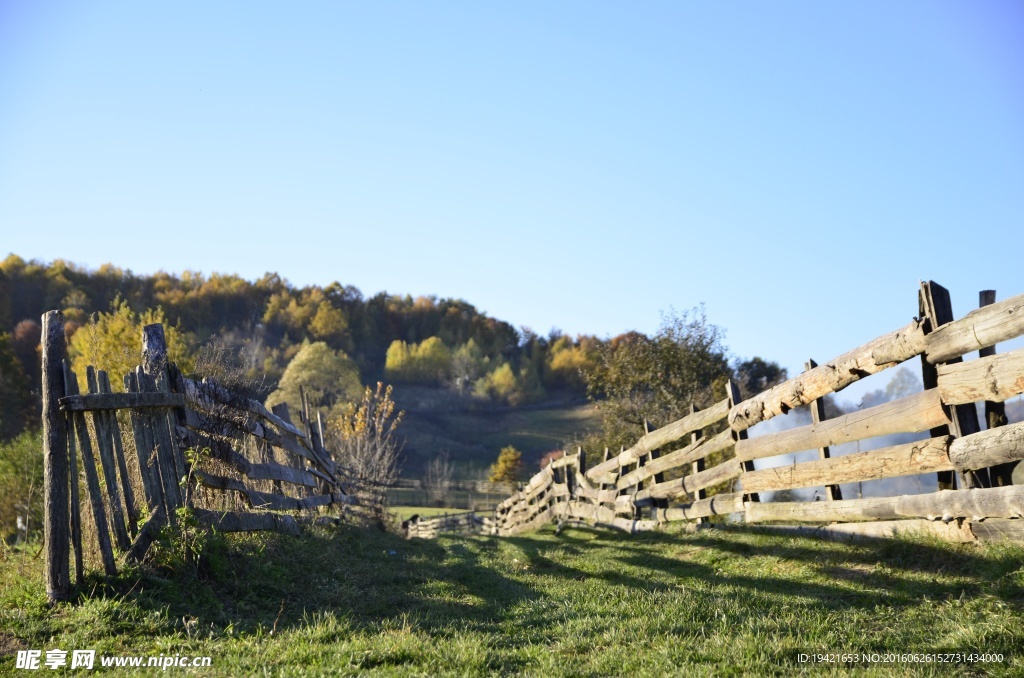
(347, 601)
(472, 436)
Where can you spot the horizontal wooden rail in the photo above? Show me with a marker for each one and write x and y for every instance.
(975, 504)
(872, 357)
(119, 401)
(913, 414)
(660, 437)
(983, 327)
(988, 448)
(995, 378)
(899, 460)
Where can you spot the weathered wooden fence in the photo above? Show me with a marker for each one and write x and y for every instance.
(178, 443)
(639, 489)
(465, 523)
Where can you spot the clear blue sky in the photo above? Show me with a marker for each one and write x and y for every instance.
(796, 166)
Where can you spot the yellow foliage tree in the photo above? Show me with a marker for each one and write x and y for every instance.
(509, 466)
(113, 342)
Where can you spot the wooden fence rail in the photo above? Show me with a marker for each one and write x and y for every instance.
(227, 459)
(664, 476)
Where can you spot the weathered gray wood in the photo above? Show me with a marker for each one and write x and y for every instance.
(935, 305)
(106, 452)
(229, 521)
(56, 536)
(697, 465)
(923, 456)
(732, 393)
(718, 505)
(208, 392)
(76, 506)
(727, 470)
(995, 378)
(817, 407)
(997, 529)
(952, 532)
(945, 505)
(986, 326)
(131, 506)
(92, 480)
(155, 364)
(659, 438)
(976, 504)
(222, 450)
(262, 500)
(156, 426)
(671, 460)
(221, 411)
(995, 412)
(120, 401)
(55, 461)
(874, 508)
(988, 448)
(919, 412)
(148, 533)
(144, 449)
(834, 375)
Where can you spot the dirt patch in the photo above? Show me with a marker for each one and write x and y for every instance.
(9, 645)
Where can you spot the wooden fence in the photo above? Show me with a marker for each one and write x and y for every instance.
(663, 477)
(459, 523)
(167, 443)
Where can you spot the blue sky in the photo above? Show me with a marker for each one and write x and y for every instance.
(795, 166)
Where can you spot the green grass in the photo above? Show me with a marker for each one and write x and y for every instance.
(346, 601)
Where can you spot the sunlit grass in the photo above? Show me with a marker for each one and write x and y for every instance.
(350, 601)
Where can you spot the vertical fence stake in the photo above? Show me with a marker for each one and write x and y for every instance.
(56, 537)
(832, 492)
(934, 304)
(732, 391)
(995, 413)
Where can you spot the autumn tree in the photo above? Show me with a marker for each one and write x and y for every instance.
(112, 341)
(363, 440)
(636, 378)
(329, 378)
(509, 466)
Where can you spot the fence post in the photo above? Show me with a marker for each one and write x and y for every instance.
(832, 492)
(995, 413)
(732, 392)
(56, 513)
(935, 305)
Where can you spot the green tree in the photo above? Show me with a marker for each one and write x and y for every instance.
(636, 378)
(17, 405)
(113, 342)
(21, 485)
(500, 384)
(509, 466)
(329, 378)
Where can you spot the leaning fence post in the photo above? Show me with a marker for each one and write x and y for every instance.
(56, 514)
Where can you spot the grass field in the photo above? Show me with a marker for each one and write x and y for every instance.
(346, 601)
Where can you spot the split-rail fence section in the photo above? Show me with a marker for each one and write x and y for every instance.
(181, 450)
(663, 476)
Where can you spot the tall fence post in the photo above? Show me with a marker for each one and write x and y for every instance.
(56, 513)
(934, 304)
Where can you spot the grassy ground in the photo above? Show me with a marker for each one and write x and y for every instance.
(346, 601)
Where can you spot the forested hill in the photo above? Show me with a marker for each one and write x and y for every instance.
(441, 345)
(469, 383)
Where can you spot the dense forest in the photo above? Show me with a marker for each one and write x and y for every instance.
(334, 340)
